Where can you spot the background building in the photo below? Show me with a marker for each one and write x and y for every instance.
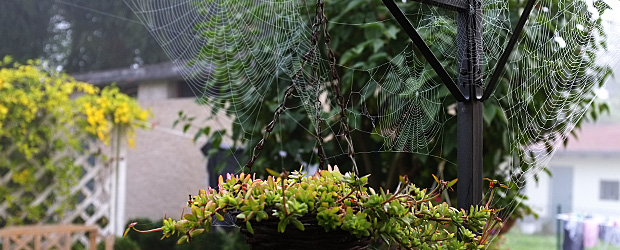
(166, 165)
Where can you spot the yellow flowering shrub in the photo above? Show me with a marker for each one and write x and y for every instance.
(111, 109)
(44, 119)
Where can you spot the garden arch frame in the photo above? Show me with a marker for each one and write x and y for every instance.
(469, 91)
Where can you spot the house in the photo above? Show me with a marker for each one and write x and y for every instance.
(586, 173)
(166, 165)
(586, 179)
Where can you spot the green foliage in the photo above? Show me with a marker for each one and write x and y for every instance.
(19, 16)
(409, 217)
(105, 35)
(215, 240)
(378, 45)
(150, 241)
(121, 243)
(77, 35)
(43, 130)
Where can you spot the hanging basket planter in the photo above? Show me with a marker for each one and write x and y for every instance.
(267, 237)
(331, 210)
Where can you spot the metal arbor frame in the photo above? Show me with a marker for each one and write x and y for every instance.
(469, 90)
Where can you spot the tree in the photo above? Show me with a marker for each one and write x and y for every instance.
(76, 35)
(43, 130)
(367, 43)
(106, 35)
(25, 29)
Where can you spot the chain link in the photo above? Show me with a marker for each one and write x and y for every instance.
(320, 23)
(279, 110)
(335, 80)
(289, 91)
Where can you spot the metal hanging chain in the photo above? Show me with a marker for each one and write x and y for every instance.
(335, 80)
(279, 110)
(316, 28)
(287, 94)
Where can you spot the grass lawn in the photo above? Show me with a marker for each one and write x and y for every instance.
(518, 241)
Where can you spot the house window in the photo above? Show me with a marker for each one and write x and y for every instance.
(186, 89)
(129, 89)
(610, 190)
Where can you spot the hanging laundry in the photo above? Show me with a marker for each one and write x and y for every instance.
(590, 233)
(573, 235)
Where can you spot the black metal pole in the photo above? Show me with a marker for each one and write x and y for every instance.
(457, 5)
(469, 114)
(558, 228)
(469, 162)
(499, 67)
(426, 52)
(468, 92)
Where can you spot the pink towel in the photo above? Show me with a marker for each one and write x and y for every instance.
(590, 233)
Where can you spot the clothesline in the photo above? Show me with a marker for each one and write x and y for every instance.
(585, 231)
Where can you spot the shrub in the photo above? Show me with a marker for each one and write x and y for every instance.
(45, 119)
(122, 243)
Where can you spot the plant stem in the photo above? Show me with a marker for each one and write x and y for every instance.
(342, 199)
(146, 231)
(428, 199)
(490, 198)
(284, 196)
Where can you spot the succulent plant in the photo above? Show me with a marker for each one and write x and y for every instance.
(409, 217)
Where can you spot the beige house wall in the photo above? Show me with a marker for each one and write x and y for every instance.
(166, 165)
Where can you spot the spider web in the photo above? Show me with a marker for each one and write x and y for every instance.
(558, 59)
(236, 54)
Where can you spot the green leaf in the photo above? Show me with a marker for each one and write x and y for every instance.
(219, 217)
(271, 172)
(282, 225)
(196, 232)
(352, 5)
(391, 32)
(377, 57)
(298, 224)
(197, 135)
(206, 130)
(489, 113)
(196, 210)
(190, 217)
(359, 48)
(348, 55)
(183, 239)
(241, 216)
(452, 182)
(248, 225)
(373, 30)
(261, 215)
(377, 44)
(436, 179)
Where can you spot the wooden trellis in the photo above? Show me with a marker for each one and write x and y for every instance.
(99, 191)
